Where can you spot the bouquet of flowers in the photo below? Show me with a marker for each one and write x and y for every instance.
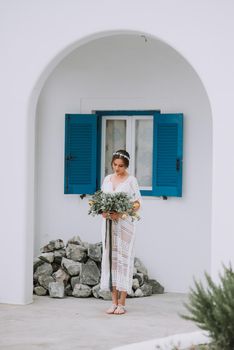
(118, 202)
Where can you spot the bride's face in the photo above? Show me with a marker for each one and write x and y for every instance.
(119, 167)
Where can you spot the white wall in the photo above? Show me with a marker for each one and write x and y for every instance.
(36, 35)
(125, 72)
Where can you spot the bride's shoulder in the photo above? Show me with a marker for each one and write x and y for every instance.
(107, 178)
(132, 178)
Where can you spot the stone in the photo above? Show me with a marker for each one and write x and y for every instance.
(89, 273)
(44, 280)
(157, 288)
(52, 245)
(68, 290)
(47, 257)
(81, 291)
(85, 245)
(44, 269)
(61, 276)
(75, 240)
(56, 290)
(131, 295)
(75, 280)
(146, 278)
(103, 294)
(135, 283)
(94, 252)
(140, 278)
(39, 290)
(95, 291)
(99, 265)
(72, 267)
(76, 252)
(37, 262)
(58, 255)
(55, 266)
(140, 266)
(146, 289)
(99, 244)
(138, 293)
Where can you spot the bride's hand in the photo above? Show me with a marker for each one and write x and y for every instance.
(136, 205)
(114, 216)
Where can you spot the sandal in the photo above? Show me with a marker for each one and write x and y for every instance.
(120, 310)
(112, 309)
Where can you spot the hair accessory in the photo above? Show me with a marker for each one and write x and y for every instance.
(121, 155)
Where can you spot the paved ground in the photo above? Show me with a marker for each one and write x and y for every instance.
(75, 324)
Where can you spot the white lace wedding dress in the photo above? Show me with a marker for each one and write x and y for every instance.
(123, 241)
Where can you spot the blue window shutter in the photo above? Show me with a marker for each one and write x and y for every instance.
(80, 153)
(168, 155)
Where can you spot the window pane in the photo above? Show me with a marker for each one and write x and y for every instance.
(144, 152)
(115, 139)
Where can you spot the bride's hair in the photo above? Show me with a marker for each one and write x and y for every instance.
(121, 154)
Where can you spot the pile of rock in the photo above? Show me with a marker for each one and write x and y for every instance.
(75, 270)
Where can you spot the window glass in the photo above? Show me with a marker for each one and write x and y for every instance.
(115, 139)
(144, 151)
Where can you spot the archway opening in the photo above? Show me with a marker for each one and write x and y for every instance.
(129, 71)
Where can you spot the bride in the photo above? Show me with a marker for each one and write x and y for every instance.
(123, 235)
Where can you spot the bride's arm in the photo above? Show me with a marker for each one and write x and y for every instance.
(136, 194)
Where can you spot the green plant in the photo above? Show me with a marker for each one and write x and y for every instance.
(212, 308)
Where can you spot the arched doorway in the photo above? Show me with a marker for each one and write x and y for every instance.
(129, 70)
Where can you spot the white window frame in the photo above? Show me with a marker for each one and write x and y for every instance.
(130, 141)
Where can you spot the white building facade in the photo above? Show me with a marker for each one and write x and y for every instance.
(78, 56)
